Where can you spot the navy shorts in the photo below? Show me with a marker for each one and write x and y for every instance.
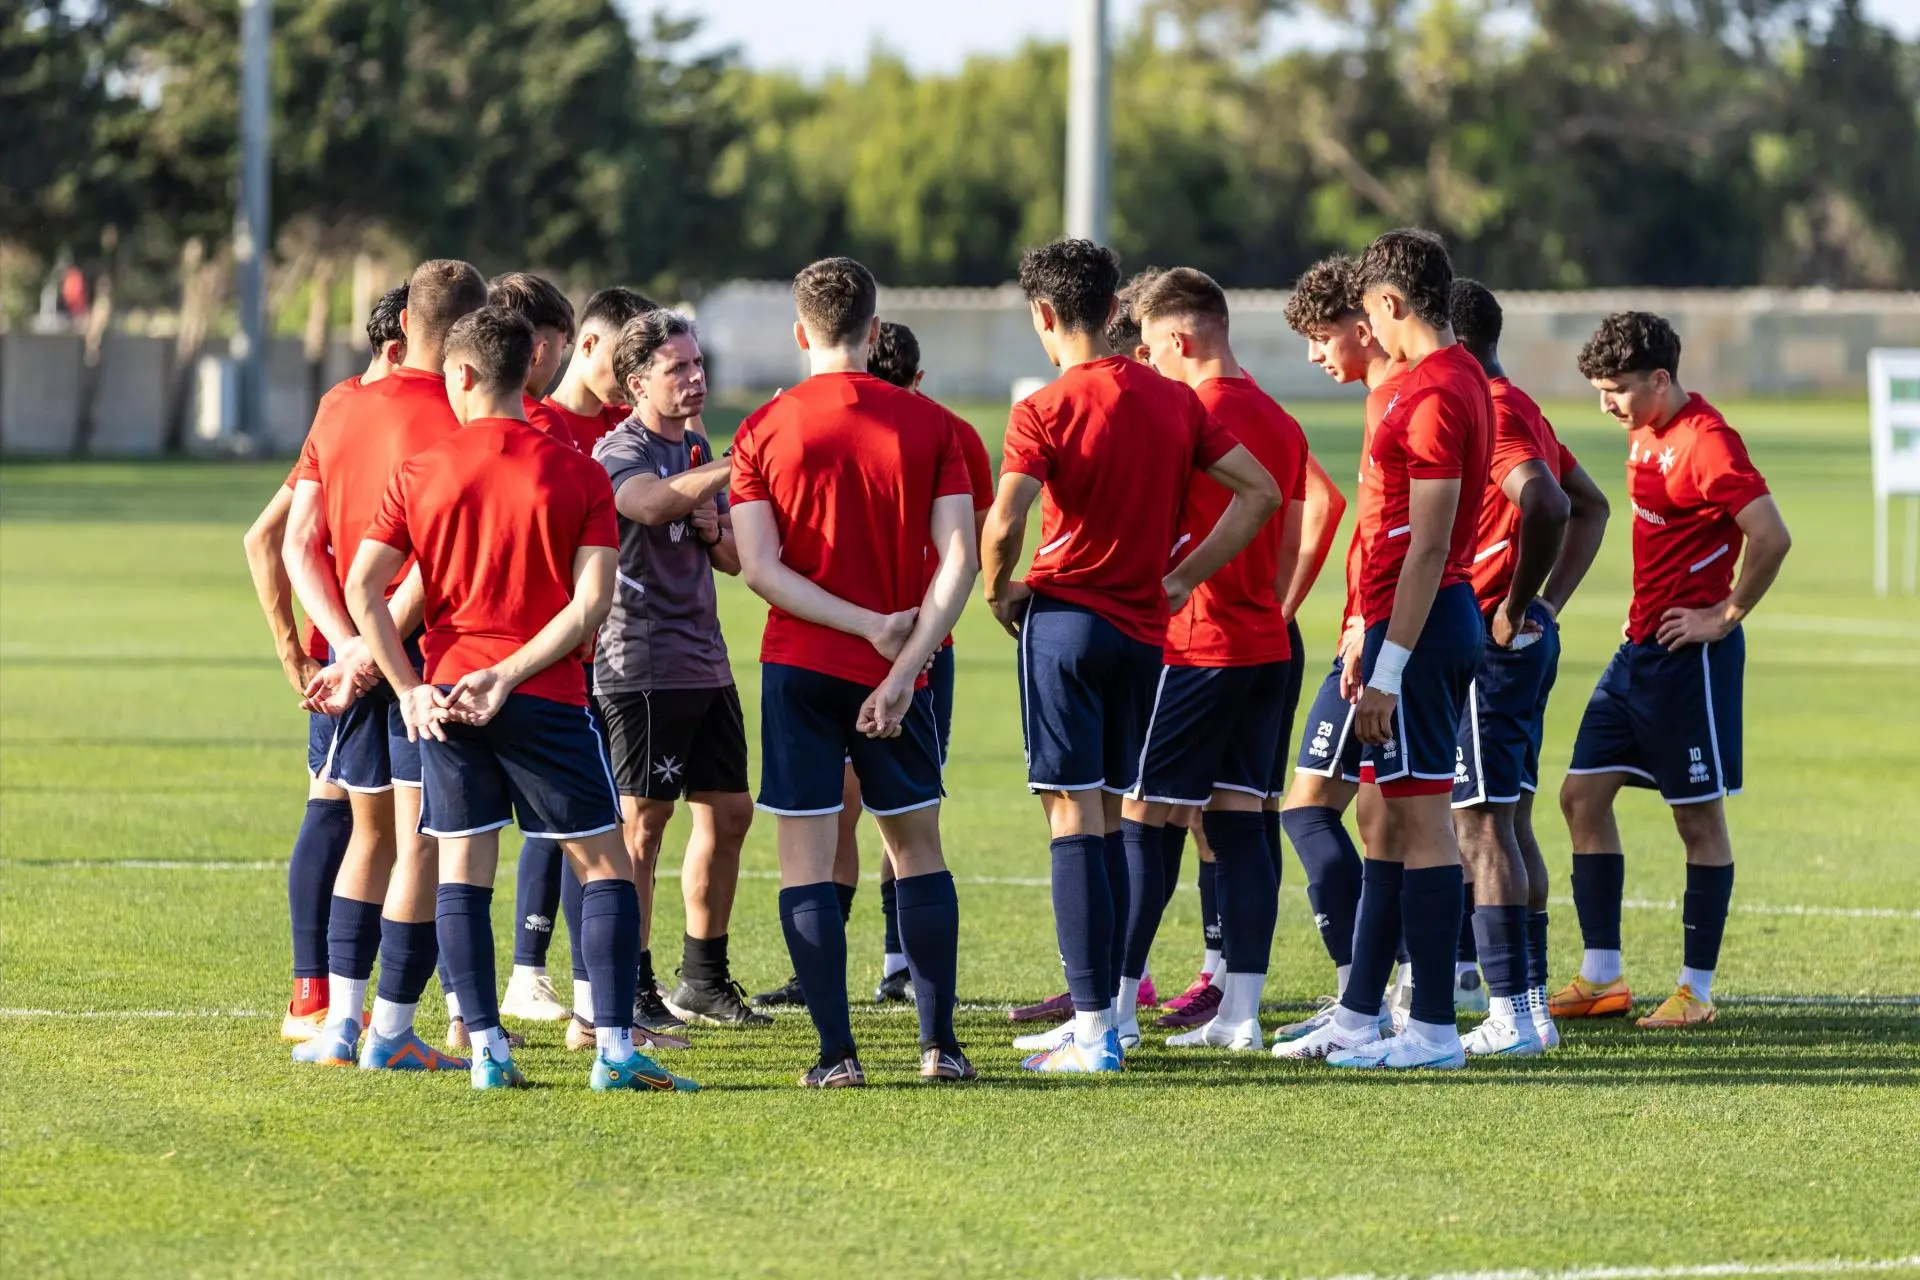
(940, 685)
(807, 738)
(1212, 728)
(539, 761)
(1296, 675)
(1086, 693)
(369, 750)
(1530, 768)
(1668, 719)
(1506, 710)
(1328, 748)
(1419, 759)
(319, 742)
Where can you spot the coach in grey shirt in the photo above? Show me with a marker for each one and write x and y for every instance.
(660, 672)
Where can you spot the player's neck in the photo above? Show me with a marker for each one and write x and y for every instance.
(424, 360)
(1676, 400)
(1211, 367)
(673, 430)
(1423, 340)
(486, 402)
(1489, 361)
(1379, 369)
(837, 359)
(575, 396)
(1071, 347)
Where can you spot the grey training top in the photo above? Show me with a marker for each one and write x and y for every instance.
(664, 630)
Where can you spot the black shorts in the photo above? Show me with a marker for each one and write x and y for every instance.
(676, 742)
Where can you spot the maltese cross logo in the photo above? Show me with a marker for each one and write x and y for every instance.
(668, 769)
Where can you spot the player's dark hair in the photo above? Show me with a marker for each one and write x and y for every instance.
(1477, 318)
(1414, 264)
(1077, 278)
(610, 309)
(383, 322)
(836, 298)
(534, 297)
(642, 336)
(1182, 293)
(896, 356)
(496, 341)
(1630, 342)
(1328, 293)
(439, 292)
(1123, 331)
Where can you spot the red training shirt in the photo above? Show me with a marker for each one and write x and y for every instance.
(495, 513)
(1366, 515)
(1112, 444)
(979, 475)
(1233, 618)
(1520, 434)
(852, 465)
(358, 439)
(1438, 426)
(316, 643)
(583, 430)
(1688, 480)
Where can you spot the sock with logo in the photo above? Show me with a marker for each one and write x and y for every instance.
(1703, 913)
(1376, 932)
(610, 939)
(1502, 937)
(843, 893)
(704, 960)
(930, 932)
(1333, 872)
(1210, 910)
(317, 850)
(463, 919)
(1113, 848)
(1173, 848)
(1083, 919)
(1430, 915)
(408, 953)
(816, 935)
(536, 901)
(1143, 848)
(353, 942)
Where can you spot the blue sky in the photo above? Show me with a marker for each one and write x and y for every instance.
(815, 36)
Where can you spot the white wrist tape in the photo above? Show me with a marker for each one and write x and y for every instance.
(1388, 667)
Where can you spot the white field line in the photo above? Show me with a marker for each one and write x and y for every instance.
(1696, 1271)
(1874, 627)
(1017, 882)
(975, 1006)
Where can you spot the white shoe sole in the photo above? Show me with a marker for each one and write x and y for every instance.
(1043, 1041)
(535, 1011)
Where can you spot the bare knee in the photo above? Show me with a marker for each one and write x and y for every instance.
(1703, 830)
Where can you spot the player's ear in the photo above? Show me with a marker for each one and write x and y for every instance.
(800, 336)
(917, 375)
(406, 322)
(394, 353)
(873, 332)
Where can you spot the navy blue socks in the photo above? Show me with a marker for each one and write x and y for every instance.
(1703, 911)
(843, 894)
(1173, 846)
(1430, 915)
(1501, 933)
(1536, 948)
(463, 916)
(1469, 949)
(1120, 886)
(1599, 882)
(817, 943)
(536, 901)
(353, 940)
(1209, 904)
(1144, 849)
(570, 888)
(610, 946)
(929, 912)
(1246, 887)
(1333, 872)
(1270, 827)
(1376, 936)
(890, 917)
(407, 956)
(317, 851)
(1083, 919)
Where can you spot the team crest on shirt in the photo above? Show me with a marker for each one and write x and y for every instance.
(668, 768)
(677, 530)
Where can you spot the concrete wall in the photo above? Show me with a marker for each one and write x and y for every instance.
(975, 342)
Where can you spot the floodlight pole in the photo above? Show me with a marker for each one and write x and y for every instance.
(251, 241)
(1088, 129)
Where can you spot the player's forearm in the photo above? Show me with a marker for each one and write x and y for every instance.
(366, 601)
(1319, 525)
(1413, 596)
(310, 570)
(273, 590)
(408, 603)
(1758, 569)
(1287, 564)
(564, 633)
(657, 500)
(804, 598)
(1228, 538)
(940, 609)
(1543, 526)
(725, 554)
(1000, 545)
(1578, 550)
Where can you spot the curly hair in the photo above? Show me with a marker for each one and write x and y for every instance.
(1630, 342)
(1123, 331)
(383, 322)
(1077, 278)
(895, 357)
(1414, 264)
(1477, 318)
(1327, 293)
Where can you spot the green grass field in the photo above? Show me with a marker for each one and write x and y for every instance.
(151, 780)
